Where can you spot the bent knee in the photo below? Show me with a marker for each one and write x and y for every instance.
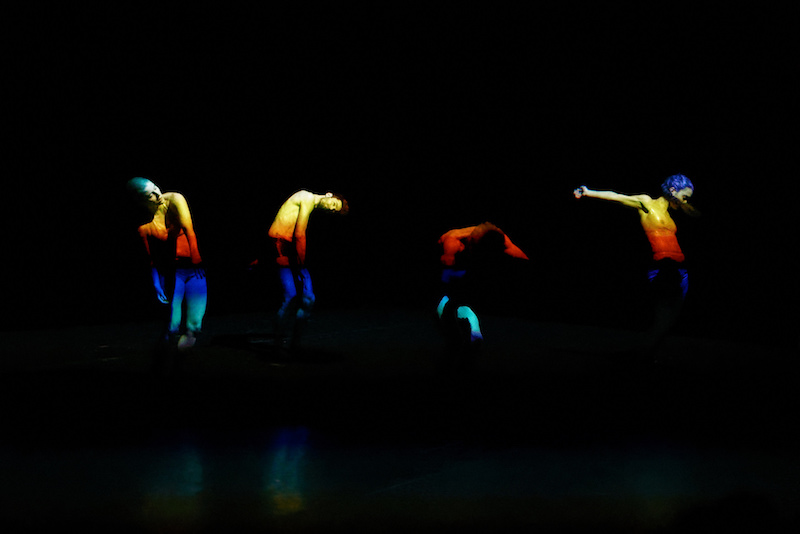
(194, 327)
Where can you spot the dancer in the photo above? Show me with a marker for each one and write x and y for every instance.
(288, 232)
(465, 250)
(668, 276)
(176, 265)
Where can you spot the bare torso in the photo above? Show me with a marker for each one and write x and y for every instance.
(285, 223)
(165, 229)
(660, 229)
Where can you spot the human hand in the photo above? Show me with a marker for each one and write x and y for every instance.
(581, 191)
(162, 297)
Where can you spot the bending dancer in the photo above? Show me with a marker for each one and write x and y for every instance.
(464, 249)
(288, 232)
(668, 277)
(178, 275)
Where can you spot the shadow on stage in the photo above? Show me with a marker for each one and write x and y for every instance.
(268, 350)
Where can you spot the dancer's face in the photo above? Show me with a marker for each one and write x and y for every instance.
(152, 195)
(681, 197)
(330, 203)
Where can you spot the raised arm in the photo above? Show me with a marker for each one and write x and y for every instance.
(631, 201)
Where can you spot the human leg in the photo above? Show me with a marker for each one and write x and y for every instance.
(668, 287)
(165, 354)
(465, 313)
(460, 328)
(176, 304)
(452, 310)
(287, 309)
(458, 321)
(307, 298)
(441, 306)
(305, 303)
(196, 297)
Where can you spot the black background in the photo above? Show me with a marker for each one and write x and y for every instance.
(425, 118)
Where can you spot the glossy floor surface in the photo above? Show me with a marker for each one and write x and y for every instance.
(374, 425)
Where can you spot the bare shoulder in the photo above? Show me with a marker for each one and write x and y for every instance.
(301, 196)
(643, 200)
(175, 199)
(639, 201)
(173, 195)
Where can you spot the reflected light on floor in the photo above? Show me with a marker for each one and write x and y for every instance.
(284, 476)
(176, 483)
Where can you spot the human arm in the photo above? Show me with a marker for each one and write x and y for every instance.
(306, 206)
(514, 251)
(160, 294)
(451, 245)
(154, 274)
(631, 201)
(178, 202)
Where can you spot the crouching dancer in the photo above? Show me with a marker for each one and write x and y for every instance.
(177, 272)
(465, 250)
(288, 233)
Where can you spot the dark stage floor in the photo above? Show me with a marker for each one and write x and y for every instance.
(370, 427)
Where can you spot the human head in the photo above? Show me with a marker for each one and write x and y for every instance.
(678, 190)
(674, 183)
(486, 239)
(334, 203)
(145, 191)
